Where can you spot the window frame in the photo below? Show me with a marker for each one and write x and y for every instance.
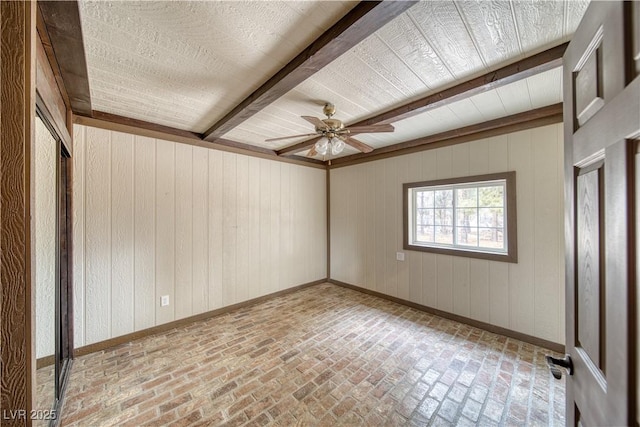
(510, 217)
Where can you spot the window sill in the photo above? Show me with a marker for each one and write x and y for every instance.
(490, 256)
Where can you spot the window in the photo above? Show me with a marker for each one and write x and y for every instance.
(472, 216)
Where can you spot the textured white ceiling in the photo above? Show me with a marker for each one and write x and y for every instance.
(533, 92)
(186, 64)
(431, 46)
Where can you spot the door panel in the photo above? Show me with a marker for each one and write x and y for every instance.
(602, 116)
(589, 300)
(588, 81)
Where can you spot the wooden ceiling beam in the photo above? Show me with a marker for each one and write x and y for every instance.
(529, 119)
(522, 69)
(363, 20)
(118, 123)
(62, 22)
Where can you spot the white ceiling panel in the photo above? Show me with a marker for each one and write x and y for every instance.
(515, 97)
(186, 64)
(491, 25)
(428, 48)
(443, 28)
(546, 86)
(538, 25)
(489, 104)
(408, 42)
(189, 63)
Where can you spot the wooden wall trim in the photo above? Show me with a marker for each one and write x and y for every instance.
(50, 98)
(530, 119)
(45, 361)
(62, 22)
(103, 345)
(360, 22)
(559, 348)
(527, 67)
(151, 130)
(17, 114)
(43, 37)
(522, 69)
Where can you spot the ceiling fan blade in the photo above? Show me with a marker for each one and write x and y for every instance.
(315, 121)
(292, 136)
(371, 129)
(358, 145)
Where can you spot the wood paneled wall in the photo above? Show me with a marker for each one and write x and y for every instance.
(206, 227)
(527, 297)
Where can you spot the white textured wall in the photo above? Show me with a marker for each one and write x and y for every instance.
(366, 233)
(44, 220)
(208, 228)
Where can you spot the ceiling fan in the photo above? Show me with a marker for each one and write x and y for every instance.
(332, 133)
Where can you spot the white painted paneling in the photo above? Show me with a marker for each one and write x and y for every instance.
(229, 229)
(97, 234)
(200, 252)
(78, 165)
(44, 236)
(165, 229)
(122, 220)
(546, 225)
(184, 230)
(391, 213)
(145, 229)
(155, 218)
(285, 248)
(521, 275)
(266, 242)
(216, 225)
(499, 289)
(253, 226)
(403, 267)
(276, 232)
(242, 230)
(523, 297)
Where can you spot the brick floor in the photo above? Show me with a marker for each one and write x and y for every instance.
(323, 355)
(45, 393)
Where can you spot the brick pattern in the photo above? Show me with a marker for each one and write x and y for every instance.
(44, 391)
(321, 356)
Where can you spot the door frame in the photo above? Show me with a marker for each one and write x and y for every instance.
(63, 356)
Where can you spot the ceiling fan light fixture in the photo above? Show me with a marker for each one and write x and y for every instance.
(337, 145)
(322, 146)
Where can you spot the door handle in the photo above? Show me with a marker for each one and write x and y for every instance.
(555, 364)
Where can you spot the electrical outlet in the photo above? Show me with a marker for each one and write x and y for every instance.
(164, 300)
(400, 256)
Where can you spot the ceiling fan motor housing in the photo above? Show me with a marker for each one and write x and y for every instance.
(333, 125)
(329, 109)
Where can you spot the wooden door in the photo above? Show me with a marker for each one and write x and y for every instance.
(602, 127)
